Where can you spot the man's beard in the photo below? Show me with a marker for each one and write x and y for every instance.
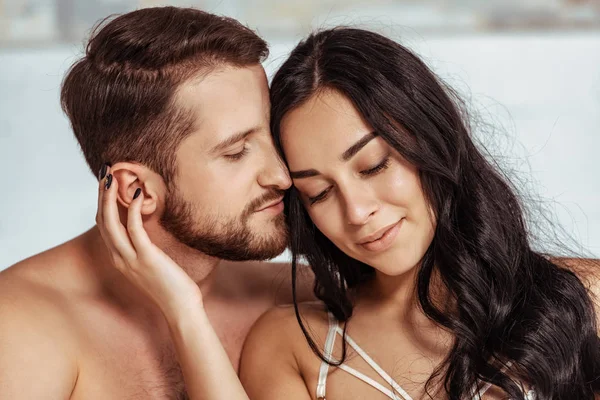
(228, 239)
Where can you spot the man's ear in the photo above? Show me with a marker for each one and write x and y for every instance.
(130, 177)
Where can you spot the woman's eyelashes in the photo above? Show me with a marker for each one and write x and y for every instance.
(383, 165)
(378, 168)
(321, 196)
(237, 156)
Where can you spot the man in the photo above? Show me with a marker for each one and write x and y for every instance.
(177, 102)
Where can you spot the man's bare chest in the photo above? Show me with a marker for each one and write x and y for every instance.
(122, 360)
(132, 369)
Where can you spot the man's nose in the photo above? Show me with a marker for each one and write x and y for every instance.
(275, 172)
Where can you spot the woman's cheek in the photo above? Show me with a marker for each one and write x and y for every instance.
(402, 185)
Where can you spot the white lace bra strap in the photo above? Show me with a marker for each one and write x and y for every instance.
(476, 395)
(375, 366)
(327, 353)
(369, 381)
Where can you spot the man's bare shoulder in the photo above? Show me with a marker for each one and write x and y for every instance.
(274, 279)
(36, 336)
(33, 289)
(29, 305)
(55, 271)
(45, 289)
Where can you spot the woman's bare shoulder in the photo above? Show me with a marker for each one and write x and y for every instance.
(277, 331)
(588, 271)
(277, 341)
(281, 322)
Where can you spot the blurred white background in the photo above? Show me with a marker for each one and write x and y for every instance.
(528, 70)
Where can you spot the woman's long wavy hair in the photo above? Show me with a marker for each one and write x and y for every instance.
(511, 304)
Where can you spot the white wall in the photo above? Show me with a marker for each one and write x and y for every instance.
(544, 91)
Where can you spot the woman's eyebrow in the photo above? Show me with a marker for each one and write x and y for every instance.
(356, 147)
(346, 155)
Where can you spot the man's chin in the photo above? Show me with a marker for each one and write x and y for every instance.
(273, 228)
(271, 246)
(255, 245)
(253, 254)
(254, 239)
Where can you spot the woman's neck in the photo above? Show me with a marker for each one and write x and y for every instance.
(392, 304)
(397, 296)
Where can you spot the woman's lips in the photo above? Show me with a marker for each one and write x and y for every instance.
(384, 238)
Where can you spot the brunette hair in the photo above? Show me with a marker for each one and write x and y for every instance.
(121, 95)
(511, 304)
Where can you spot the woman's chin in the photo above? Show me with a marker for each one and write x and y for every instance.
(394, 264)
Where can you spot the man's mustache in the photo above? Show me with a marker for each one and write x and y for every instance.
(257, 204)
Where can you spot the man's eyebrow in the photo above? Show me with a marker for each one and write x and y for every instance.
(346, 155)
(233, 139)
(356, 147)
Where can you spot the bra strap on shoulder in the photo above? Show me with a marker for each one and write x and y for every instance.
(327, 353)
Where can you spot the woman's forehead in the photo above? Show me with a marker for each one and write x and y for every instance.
(326, 122)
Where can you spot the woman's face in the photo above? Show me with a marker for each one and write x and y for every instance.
(357, 189)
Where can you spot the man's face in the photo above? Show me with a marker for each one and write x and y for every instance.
(226, 199)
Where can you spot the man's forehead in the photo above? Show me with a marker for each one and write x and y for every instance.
(226, 102)
(227, 82)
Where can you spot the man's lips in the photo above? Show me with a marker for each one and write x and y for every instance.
(270, 204)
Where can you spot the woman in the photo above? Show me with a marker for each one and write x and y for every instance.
(419, 248)
(418, 244)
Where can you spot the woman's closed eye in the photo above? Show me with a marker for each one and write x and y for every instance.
(320, 197)
(365, 173)
(378, 168)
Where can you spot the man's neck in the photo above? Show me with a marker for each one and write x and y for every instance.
(200, 268)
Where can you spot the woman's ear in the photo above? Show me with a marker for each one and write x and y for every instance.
(132, 176)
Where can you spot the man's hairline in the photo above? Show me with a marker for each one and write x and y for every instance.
(195, 79)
